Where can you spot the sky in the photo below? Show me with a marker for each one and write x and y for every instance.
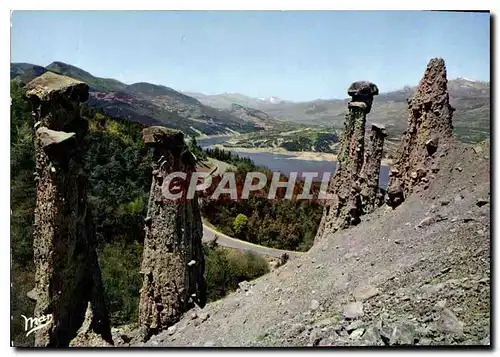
(294, 55)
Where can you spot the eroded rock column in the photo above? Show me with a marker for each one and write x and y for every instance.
(345, 208)
(371, 196)
(67, 276)
(173, 262)
(428, 134)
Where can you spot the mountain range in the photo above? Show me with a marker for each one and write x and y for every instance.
(146, 103)
(470, 98)
(229, 113)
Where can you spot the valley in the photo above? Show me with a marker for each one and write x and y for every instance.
(266, 123)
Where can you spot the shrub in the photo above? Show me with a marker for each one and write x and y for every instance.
(240, 223)
(120, 264)
(225, 268)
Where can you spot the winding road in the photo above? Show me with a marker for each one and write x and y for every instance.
(219, 167)
(229, 242)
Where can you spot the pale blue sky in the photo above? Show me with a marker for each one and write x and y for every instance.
(294, 55)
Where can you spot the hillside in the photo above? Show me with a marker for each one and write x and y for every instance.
(144, 102)
(428, 285)
(259, 118)
(470, 98)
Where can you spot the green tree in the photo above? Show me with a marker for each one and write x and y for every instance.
(240, 224)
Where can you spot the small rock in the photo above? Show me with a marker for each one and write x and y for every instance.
(325, 322)
(385, 333)
(32, 294)
(397, 241)
(327, 341)
(356, 334)
(444, 202)
(432, 145)
(372, 337)
(53, 169)
(427, 221)
(459, 197)
(204, 316)
(353, 310)
(403, 334)
(354, 325)
(425, 342)
(445, 270)
(449, 323)
(171, 330)
(244, 285)
(191, 263)
(486, 340)
(481, 202)
(314, 304)
(298, 328)
(365, 292)
(48, 137)
(343, 333)
(440, 305)
(458, 168)
(337, 328)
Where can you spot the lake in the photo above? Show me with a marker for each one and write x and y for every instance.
(286, 163)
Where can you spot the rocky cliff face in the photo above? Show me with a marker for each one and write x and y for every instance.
(173, 262)
(428, 135)
(371, 195)
(345, 208)
(68, 281)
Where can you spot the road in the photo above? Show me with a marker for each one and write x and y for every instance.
(226, 241)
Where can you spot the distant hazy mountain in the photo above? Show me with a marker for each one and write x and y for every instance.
(227, 113)
(471, 99)
(255, 116)
(144, 102)
(271, 100)
(226, 100)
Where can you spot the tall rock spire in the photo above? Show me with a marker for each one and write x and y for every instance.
(429, 131)
(67, 275)
(345, 208)
(173, 263)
